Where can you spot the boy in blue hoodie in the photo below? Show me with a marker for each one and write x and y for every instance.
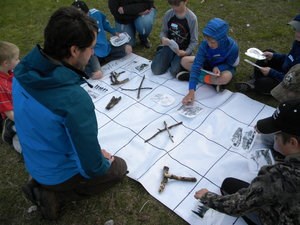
(218, 53)
(104, 52)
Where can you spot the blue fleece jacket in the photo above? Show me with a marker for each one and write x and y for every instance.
(103, 47)
(56, 121)
(225, 56)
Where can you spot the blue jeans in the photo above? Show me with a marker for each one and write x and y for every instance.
(164, 59)
(142, 25)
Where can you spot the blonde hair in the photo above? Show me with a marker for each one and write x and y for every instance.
(8, 51)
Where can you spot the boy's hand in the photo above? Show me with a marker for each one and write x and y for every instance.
(265, 70)
(107, 155)
(200, 193)
(181, 53)
(165, 41)
(145, 12)
(189, 98)
(216, 71)
(269, 55)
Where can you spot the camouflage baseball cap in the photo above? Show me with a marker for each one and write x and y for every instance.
(286, 118)
(289, 88)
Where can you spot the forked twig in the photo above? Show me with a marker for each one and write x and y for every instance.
(170, 135)
(162, 130)
(138, 89)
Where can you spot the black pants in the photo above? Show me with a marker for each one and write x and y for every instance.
(78, 187)
(230, 186)
(264, 84)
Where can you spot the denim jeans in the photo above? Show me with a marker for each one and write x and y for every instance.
(142, 25)
(164, 59)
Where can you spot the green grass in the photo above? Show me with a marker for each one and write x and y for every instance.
(22, 22)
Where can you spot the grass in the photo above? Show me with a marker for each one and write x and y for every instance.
(22, 22)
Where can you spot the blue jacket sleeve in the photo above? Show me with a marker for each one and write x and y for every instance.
(232, 58)
(107, 26)
(197, 65)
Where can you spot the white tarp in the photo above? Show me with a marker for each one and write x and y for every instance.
(214, 141)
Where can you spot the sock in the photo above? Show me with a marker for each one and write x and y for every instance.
(204, 78)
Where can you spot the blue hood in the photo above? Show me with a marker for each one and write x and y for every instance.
(217, 29)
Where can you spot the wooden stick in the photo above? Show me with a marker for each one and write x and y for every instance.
(139, 89)
(164, 180)
(172, 176)
(134, 89)
(161, 130)
(166, 127)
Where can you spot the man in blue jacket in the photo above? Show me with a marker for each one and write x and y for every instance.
(56, 118)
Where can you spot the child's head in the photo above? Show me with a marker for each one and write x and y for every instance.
(81, 5)
(178, 5)
(289, 87)
(295, 23)
(9, 55)
(215, 33)
(285, 124)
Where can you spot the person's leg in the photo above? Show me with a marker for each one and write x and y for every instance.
(118, 52)
(175, 66)
(264, 84)
(187, 62)
(93, 68)
(162, 60)
(230, 186)
(129, 29)
(50, 198)
(143, 25)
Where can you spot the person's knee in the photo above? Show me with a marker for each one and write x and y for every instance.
(128, 49)
(120, 167)
(156, 69)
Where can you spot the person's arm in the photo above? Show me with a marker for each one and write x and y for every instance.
(164, 29)
(264, 190)
(193, 26)
(10, 114)
(197, 65)
(113, 7)
(82, 130)
(106, 25)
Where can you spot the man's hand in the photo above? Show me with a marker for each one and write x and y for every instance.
(216, 71)
(189, 98)
(107, 155)
(200, 193)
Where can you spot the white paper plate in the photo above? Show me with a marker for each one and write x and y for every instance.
(163, 99)
(255, 53)
(189, 111)
(122, 39)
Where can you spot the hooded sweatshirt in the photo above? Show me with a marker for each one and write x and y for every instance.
(56, 122)
(225, 56)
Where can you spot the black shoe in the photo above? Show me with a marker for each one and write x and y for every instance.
(28, 190)
(183, 75)
(7, 131)
(245, 86)
(219, 88)
(47, 202)
(146, 43)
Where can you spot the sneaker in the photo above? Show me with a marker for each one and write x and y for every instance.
(219, 88)
(183, 75)
(8, 131)
(245, 86)
(47, 202)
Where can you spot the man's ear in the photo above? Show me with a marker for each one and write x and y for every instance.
(74, 51)
(294, 142)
